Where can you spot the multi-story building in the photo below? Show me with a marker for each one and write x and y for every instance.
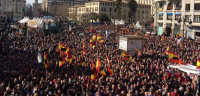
(13, 9)
(147, 2)
(37, 7)
(142, 14)
(49, 4)
(169, 12)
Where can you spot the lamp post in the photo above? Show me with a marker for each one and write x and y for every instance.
(183, 19)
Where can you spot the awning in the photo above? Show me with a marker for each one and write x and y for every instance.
(177, 13)
(160, 13)
(169, 13)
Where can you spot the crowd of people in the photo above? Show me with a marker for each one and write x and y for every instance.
(146, 75)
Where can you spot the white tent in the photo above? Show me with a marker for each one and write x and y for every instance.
(117, 22)
(137, 25)
(24, 20)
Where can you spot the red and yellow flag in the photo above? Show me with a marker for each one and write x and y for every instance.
(167, 50)
(198, 64)
(174, 58)
(46, 62)
(82, 61)
(138, 51)
(69, 57)
(98, 65)
(125, 57)
(102, 72)
(110, 70)
(93, 74)
(92, 43)
(61, 59)
(178, 35)
(100, 39)
(162, 38)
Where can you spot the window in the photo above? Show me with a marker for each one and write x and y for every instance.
(177, 16)
(187, 7)
(197, 6)
(160, 17)
(169, 17)
(142, 11)
(187, 18)
(96, 8)
(110, 9)
(102, 9)
(197, 18)
(105, 9)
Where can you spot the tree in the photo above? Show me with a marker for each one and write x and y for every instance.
(85, 18)
(104, 18)
(93, 16)
(132, 4)
(60, 11)
(118, 8)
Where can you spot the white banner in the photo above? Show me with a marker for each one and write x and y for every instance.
(187, 68)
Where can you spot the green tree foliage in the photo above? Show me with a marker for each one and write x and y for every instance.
(132, 4)
(118, 8)
(104, 18)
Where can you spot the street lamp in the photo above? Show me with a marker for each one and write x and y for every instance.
(183, 34)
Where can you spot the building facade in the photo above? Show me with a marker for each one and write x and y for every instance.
(49, 4)
(168, 12)
(12, 9)
(142, 14)
(147, 2)
(37, 9)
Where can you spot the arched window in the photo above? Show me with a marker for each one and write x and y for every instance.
(170, 6)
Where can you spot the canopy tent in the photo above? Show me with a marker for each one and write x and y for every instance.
(137, 25)
(49, 17)
(117, 22)
(187, 68)
(36, 23)
(24, 20)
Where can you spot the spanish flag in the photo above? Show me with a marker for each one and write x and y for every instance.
(100, 39)
(125, 57)
(198, 64)
(46, 62)
(92, 67)
(84, 48)
(93, 72)
(178, 35)
(61, 59)
(102, 72)
(174, 58)
(108, 59)
(110, 70)
(138, 51)
(162, 38)
(60, 46)
(69, 57)
(98, 65)
(93, 76)
(92, 43)
(83, 63)
(167, 50)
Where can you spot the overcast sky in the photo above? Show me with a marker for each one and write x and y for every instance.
(32, 1)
